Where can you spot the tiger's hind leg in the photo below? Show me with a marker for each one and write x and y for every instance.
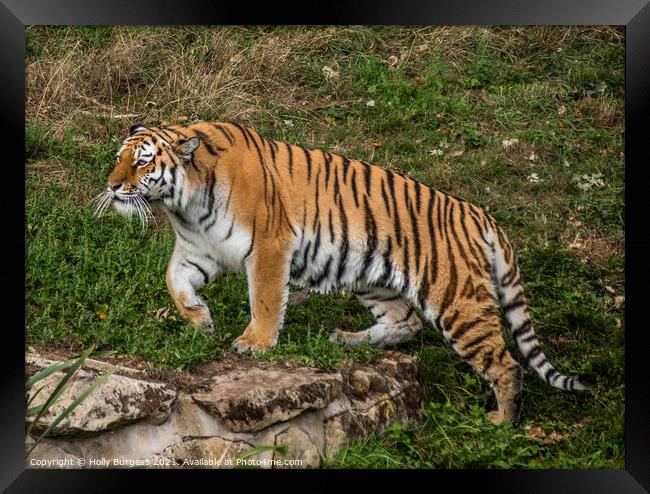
(396, 320)
(476, 335)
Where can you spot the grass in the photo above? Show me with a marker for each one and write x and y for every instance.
(440, 104)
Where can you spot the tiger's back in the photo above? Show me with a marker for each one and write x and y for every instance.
(284, 213)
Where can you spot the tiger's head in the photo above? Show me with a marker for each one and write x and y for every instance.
(146, 170)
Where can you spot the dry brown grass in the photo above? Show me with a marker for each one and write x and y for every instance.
(168, 74)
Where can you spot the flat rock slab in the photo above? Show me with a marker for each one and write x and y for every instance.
(251, 399)
(236, 412)
(119, 401)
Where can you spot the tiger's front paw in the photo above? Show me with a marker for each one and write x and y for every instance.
(199, 317)
(245, 344)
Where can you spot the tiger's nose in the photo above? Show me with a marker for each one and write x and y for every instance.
(115, 186)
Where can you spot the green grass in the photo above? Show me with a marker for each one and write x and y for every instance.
(440, 114)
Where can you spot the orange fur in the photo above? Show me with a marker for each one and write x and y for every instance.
(283, 213)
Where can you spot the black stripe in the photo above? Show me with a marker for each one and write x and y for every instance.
(513, 305)
(459, 244)
(324, 274)
(331, 226)
(385, 197)
(346, 167)
(272, 148)
(564, 381)
(528, 339)
(525, 327)
(476, 340)
(354, 188)
(469, 356)
(179, 215)
(407, 268)
(449, 321)
(225, 132)
(290, 159)
(465, 327)
(417, 195)
(316, 244)
(367, 170)
(390, 298)
(243, 132)
(345, 245)
(337, 191)
(371, 243)
(408, 315)
(465, 232)
(250, 248)
(206, 141)
(296, 273)
(184, 237)
(416, 235)
(316, 200)
(388, 265)
(308, 158)
(450, 292)
(232, 224)
(328, 158)
(211, 198)
(424, 286)
(439, 209)
(432, 239)
(396, 222)
(534, 352)
(206, 278)
(210, 225)
(550, 374)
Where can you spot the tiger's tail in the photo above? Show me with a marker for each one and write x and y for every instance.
(511, 296)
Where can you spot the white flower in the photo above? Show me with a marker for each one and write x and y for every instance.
(533, 178)
(330, 74)
(370, 102)
(436, 152)
(288, 123)
(509, 142)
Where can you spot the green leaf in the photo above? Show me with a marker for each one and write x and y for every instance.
(61, 386)
(48, 371)
(282, 450)
(98, 382)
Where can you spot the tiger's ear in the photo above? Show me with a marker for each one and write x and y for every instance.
(184, 149)
(136, 128)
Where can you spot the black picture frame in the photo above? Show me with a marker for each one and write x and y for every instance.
(633, 14)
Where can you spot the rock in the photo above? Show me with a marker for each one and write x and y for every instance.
(379, 395)
(120, 400)
(236, 405)
(210, 452)
(301, 451)
(251, 399)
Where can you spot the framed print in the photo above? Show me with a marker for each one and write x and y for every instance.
(407, 242)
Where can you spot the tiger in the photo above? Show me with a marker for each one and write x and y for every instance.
(284, 214)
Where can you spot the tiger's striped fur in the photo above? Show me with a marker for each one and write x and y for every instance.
(282, 213)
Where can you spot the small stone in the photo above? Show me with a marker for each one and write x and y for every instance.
(301, 451)
(211, 452)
